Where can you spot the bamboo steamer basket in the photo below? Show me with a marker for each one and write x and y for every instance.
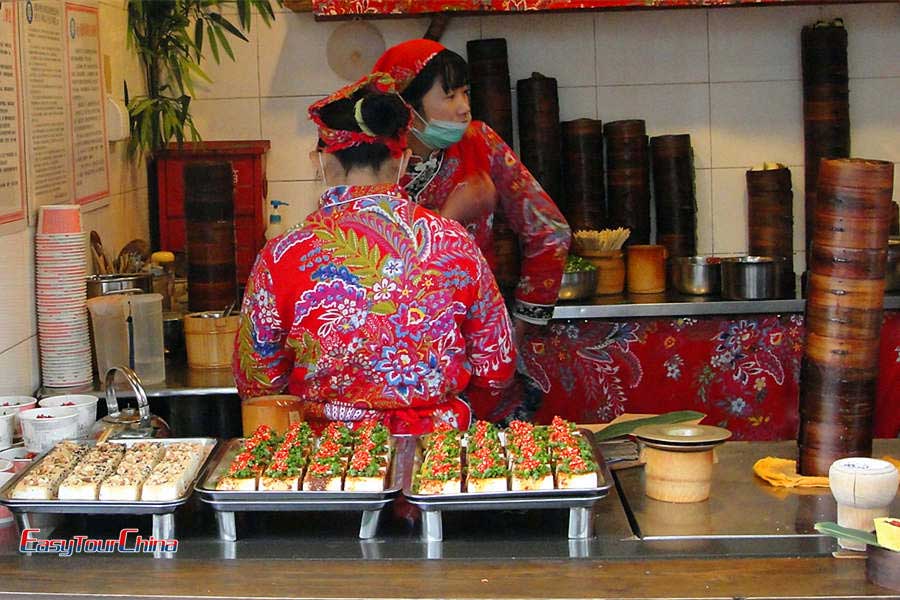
(851, 232)
(863, 294)
(848, 263)
(852, 323)
(842, 353)
(883, 567)
(209, 339)
(678, 477)
(850, 385)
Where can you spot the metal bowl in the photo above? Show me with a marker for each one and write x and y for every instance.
(696, 275)
(578, 285)
(752, 277)
(892, 276)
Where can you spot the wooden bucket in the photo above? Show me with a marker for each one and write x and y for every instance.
(209, 339)
(277, 411)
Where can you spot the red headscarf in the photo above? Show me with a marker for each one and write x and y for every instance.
(404, 61)
(340, 139)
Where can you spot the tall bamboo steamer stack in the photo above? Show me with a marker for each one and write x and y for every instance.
(540, 137)
(844, 307)
(491, 93)
(771, 230)
(826, 102)
(675, 196)
(585, 195)
(628, 178)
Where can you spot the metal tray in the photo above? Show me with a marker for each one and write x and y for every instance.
(162, 527)
(227, 502)
(578, 501)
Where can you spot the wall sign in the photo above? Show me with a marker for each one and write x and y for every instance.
(12, 145)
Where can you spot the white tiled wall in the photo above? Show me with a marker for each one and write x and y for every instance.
(729, 77)
(120, 219)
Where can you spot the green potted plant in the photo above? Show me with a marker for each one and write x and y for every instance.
(169, 37)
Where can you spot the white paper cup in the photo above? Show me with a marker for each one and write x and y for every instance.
(85, 404)
(42, 428)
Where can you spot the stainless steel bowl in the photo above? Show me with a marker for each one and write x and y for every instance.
(752, 277)
(696, 275)
(100, 285)
(892, 276)
(578, 285)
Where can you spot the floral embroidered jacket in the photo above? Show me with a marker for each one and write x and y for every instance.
(543, 233)
(375, 307)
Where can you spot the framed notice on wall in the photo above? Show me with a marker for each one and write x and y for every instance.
(12, 144)
(90, 153)
(48, 137)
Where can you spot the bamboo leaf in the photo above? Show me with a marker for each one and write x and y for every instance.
(243, 7)
(224, 41)
(856, 535)
(212, 42)
(626, 427)
(223, 22)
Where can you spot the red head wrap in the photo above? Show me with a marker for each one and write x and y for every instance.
(340, 139)
(404, 61)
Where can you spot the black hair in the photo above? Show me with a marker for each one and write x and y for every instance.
(383, 114)
(446, 65)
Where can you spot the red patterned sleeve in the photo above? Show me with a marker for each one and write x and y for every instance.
(489, 341)
(262, 361)
(543, 233)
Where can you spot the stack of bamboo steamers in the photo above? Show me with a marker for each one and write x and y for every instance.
(844, 311)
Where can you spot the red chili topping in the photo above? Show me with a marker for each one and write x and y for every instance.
(360, 460)
(328, 448)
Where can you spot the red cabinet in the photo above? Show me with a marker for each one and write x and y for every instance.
(248, 163)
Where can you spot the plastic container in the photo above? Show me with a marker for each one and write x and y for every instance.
(109, 324)
(209, 338)
(85, 404)
(42, 428)
(276, 225)
(20, 456)
(147, 337)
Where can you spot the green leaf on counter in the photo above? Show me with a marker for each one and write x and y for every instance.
(626, 427)
(855, 535)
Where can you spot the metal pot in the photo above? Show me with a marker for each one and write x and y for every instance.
(696, 275)
(578, 285)
(751, 277)
(100, 285)
(892, 274)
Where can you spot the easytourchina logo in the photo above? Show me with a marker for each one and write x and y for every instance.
(128, 542)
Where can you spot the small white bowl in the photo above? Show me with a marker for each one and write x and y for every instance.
(8, 422)
(42, 428)
(20, 456)
(22, 402)
(85, 404)
(5, 516)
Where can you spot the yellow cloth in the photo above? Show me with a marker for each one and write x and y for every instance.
(782, 472)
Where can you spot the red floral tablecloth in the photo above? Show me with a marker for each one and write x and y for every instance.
(742, 372)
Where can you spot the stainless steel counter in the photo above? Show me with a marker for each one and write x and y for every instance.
(672, 304)
(741, 506)
(180, 381)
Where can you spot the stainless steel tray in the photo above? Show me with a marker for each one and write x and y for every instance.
(162, 527)
(578, 501)
(227, 502)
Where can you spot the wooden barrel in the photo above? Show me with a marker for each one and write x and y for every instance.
(491, 95)
(826, 108)
(677, 476)
(673, 185)
(209, 214)
(628, 178)
(844, 312)
(540, 138)
(585, 195)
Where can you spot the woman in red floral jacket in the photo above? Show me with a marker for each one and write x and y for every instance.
(461, 168)
(373, 307)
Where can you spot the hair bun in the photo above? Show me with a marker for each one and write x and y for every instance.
(384, 114)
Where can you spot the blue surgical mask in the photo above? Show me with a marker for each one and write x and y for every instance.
(440, 134)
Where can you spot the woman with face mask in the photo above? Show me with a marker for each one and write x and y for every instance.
(462, 169)
(373, 307)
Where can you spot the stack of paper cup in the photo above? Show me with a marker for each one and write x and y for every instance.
(61, 269)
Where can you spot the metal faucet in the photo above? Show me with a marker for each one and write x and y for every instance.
(112, 403)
